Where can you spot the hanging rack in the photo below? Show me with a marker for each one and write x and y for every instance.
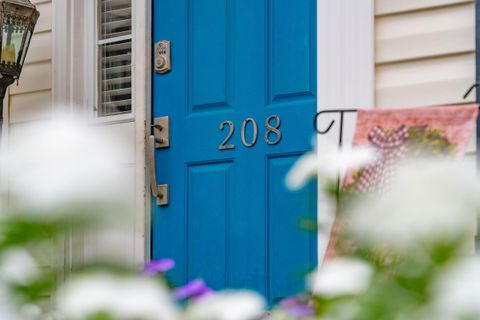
(330, 126)
(342, 112)
(472, 87)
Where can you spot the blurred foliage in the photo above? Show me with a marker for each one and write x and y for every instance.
(400, 287)
(424, 141)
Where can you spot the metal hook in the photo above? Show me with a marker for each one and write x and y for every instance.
(474, 86)
(340, 111)
(326, 130)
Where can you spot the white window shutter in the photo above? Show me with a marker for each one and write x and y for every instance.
(115, 57)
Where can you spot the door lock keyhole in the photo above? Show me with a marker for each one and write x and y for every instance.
(162, 57)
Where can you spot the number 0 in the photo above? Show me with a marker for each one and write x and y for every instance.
(255, 133)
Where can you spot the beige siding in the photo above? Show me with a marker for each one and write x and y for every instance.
(425, 52)
(384, 7)
(32, 98)
(425, 55)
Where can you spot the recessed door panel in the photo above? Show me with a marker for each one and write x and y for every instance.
(291, 54)
(289, 258)
(209, 50)
(208, 221)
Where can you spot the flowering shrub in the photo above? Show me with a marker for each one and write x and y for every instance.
(398, 256)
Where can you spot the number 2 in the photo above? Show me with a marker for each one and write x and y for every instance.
(223, 145)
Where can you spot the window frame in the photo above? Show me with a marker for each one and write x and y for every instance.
(92, 80)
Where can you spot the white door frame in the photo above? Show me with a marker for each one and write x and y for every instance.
(345, 79)
(346, 73)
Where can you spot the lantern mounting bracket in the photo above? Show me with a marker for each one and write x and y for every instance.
(5, 81)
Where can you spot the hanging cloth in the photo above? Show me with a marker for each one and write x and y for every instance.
(400, 133)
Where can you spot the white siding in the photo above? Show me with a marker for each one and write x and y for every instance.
(425, 52)
(425, 55)
(32, 98)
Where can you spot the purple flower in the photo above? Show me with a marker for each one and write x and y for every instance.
(296, 308)
(194, 289)
(159, 266)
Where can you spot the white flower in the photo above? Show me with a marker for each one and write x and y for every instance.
(327, 163)
(8, 305)
(30, 312)
(17, 266)
(457, 292)
(341, 277)
(120, 297)
(429, 200)
(228, 305)
(60, 162)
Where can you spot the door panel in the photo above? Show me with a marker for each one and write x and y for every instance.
(287, 246)
(292, 55)
(231, 220)
(207, 220)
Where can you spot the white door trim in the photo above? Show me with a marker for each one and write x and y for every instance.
(346, 72)
(74, 47)
(142, 38)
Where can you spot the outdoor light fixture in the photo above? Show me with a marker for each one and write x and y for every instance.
(17, 21)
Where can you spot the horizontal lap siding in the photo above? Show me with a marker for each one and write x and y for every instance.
(425, 55)
(384, 7)
(31, 100)
(425, 52)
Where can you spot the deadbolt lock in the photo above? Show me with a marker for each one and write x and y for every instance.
(163, 62)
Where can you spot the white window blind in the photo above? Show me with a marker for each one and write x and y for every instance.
(115, 57)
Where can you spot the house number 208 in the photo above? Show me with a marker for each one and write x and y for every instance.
(273, 135)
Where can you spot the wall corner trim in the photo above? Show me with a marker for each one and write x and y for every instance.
(346, 73)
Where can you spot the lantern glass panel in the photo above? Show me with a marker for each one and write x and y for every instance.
(12, 37)
(25, 48)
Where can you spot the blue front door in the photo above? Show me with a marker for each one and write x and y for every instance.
(241, 97)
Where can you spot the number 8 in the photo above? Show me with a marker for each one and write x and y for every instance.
(273, 130)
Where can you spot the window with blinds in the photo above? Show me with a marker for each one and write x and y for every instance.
(114, 57)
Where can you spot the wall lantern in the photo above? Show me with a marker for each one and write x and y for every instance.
(17, 21)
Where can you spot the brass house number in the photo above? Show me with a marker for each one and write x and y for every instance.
(272, 136)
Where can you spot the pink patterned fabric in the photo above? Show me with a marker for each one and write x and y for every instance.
(398, 132)
(377, 176)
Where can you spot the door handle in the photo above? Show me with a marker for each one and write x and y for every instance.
(159, 192)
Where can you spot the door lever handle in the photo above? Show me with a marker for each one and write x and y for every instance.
(159, 192)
